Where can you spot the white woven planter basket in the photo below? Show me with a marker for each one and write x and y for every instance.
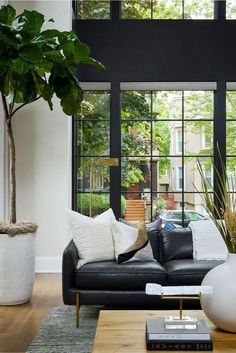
(17, 268)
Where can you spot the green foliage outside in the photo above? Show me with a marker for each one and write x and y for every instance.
(100, 203)
(160, 204)
(95, 9)
(150, 9)
(136, 136)
(167, 9)
(93, 134)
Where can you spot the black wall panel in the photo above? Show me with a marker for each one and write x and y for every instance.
(170, 50)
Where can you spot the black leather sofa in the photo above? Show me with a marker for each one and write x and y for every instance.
(123, 285)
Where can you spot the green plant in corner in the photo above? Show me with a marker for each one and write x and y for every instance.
(221, 203)
(35, 64)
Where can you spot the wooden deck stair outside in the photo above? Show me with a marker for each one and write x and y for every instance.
(135, 210)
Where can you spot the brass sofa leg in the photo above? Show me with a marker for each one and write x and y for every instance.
(77, 309)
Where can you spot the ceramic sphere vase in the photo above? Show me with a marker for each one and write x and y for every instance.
(220, 306)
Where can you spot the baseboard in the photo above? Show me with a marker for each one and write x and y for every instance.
(44, 264)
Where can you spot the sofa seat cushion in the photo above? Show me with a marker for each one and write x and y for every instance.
(188, 271)
(108, 275)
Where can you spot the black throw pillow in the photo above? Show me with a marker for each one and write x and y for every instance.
(177, 244)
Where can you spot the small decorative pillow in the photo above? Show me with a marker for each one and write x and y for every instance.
(131, 242)
(92, 237)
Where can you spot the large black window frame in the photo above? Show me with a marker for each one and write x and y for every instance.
(116, 189)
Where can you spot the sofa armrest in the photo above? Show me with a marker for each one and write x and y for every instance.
(69, 263)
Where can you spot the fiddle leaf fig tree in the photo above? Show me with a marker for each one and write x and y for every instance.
(36, 64)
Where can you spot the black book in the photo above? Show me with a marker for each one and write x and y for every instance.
(160, 338)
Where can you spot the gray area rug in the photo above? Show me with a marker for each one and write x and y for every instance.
(58, 334)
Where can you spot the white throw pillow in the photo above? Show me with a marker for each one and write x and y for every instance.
(106, 216)
(125, 238)
(208, 243)
(92, 237)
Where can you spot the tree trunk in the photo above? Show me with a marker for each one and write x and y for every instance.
(12, 177)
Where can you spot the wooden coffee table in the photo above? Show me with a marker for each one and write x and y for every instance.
(123, 331)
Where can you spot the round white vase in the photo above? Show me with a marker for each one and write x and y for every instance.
(220, 306)
(17, 268)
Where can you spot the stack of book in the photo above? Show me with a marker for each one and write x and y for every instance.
(160, 338)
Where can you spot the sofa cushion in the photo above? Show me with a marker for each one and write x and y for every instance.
(176, 244)
(188, 271)
(108, 275)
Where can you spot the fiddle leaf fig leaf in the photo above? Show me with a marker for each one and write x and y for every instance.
(44, 89)
(20, 67)
(39, 63)
(26, 91)
(7, 14)
(32, 22)
(31, 53)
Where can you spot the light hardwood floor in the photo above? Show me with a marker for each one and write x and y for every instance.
(20, 323)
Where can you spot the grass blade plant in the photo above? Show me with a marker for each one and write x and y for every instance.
(221, 203)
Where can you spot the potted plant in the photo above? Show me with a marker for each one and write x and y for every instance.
(34, 64)
(220, 205)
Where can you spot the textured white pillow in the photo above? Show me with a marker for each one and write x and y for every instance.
(106, 216)
(124, 237)
(92, 237)
(208, 243)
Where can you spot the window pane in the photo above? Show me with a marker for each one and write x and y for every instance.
(198, 137)
(95, 105)
(167, 105)
(94, 203)
(167, 9)
(198, 105)
(136, 209)
(195, 9)
(162, 138)
(93, 175)
(135, 138)
(136, 105)
(165, 177)
(138, 10)
(93, 138)
(194, 207)
(231, 105)
(231, 9)
(179, 141)
(93, 9)
(167, 206)
(192, 181)
(136, 176)
(231, 137)
(231, 173)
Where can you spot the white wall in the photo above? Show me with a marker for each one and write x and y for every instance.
(2, 155)
(43, 147)
(2, 163)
